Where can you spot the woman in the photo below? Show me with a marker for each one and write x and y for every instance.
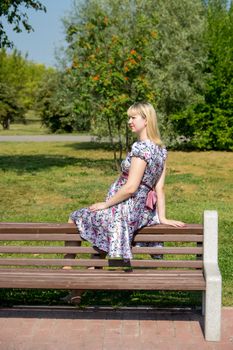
(130, 203)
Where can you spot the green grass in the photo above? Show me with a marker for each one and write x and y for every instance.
(33, 126)
(44, 182)
(25, 129)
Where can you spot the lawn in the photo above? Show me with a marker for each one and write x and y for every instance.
(31, 128)
(44, 182)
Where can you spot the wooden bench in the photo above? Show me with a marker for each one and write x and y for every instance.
(32, 256)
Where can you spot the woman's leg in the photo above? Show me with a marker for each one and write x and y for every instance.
(74, 296)
(71, 244)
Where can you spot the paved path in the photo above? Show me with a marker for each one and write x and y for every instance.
(47, 138)
(102, 329)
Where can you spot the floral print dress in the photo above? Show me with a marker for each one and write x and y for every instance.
(112, 229)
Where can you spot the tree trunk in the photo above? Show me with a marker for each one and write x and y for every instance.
(6, 123)
(113, 145)
(120, 143)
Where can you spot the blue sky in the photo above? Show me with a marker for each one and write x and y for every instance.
(48, 32)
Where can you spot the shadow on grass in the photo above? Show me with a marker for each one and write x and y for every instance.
(34, 163)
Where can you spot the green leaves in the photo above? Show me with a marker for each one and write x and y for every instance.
(213, 128)
(12, 11)
(10, 107)
(19, 80)
(109, 43)
(176, 54)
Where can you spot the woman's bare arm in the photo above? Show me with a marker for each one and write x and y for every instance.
(161, 203)
(136, 172)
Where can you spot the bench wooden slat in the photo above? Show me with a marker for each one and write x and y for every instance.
(168, 238)
(85, 250)
(168, 250)
(71, 229)
(39, 237)
(100, 280)
(76, 237)
(101, 262)
(164, 229)
(152, 272)
(41, 228)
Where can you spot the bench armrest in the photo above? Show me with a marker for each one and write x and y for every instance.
(212, 272)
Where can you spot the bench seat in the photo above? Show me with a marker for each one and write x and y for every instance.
(32, 256)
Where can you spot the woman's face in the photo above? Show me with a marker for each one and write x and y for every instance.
(136, 122)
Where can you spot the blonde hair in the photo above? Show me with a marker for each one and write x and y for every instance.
(147, 111)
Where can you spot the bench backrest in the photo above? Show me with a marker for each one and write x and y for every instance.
(39, 245)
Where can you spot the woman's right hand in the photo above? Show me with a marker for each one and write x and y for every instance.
(98, 206)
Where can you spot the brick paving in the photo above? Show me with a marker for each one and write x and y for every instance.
(39, 328)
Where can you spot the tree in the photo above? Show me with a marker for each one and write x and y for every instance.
(12, 11)
(12, 77)
(176, 54)
(34, 74)
(19, 81)
(10, 108)
(56, 103)
(209, 124)
(120, 52)
(109, 43)
(215, 116)
(179, 59)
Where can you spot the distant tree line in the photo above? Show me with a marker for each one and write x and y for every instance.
(19, 83)
(18, 77)
(176, 54)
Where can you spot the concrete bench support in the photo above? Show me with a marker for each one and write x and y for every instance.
(213, 293)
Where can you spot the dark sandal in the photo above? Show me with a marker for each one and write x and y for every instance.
(75, 300)
(71, 298)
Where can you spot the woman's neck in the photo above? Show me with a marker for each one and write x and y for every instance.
(143, 136)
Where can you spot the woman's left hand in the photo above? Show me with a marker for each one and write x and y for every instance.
(98, 206)
(174, 223)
